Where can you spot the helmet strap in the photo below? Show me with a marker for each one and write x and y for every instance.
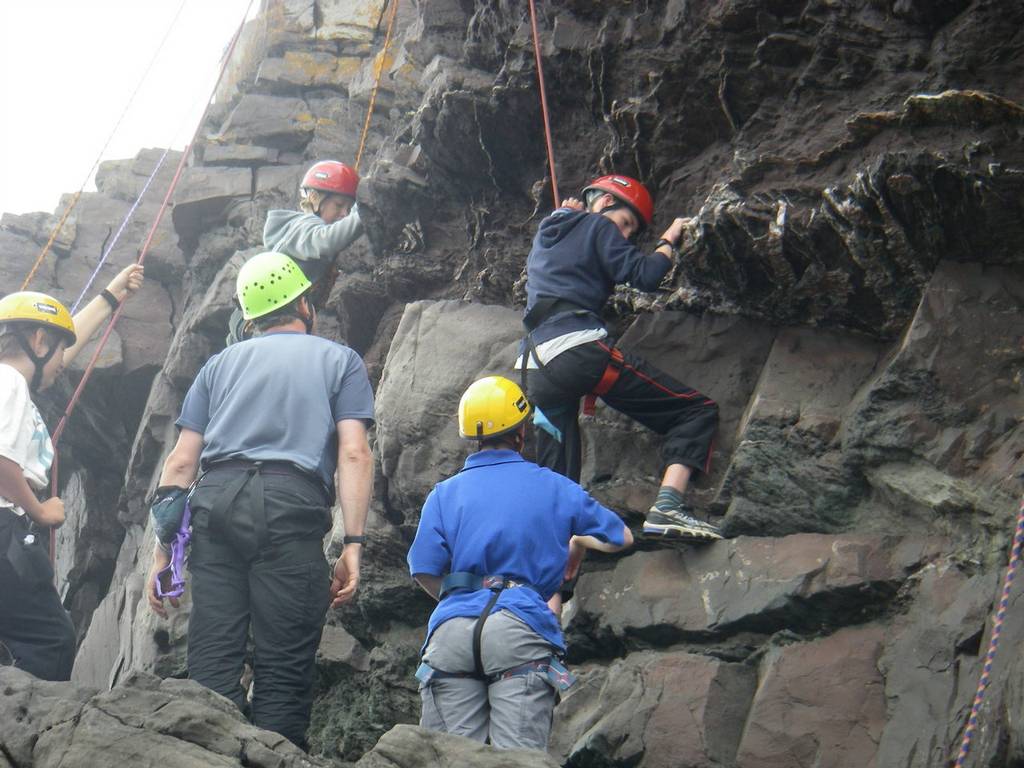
(38, 361)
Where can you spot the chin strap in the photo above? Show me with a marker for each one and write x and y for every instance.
(38, 361)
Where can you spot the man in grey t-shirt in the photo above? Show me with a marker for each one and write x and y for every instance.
(271, 421)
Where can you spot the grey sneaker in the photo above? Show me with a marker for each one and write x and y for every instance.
(677, 524)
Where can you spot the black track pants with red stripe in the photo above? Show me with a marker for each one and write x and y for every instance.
(687, 418)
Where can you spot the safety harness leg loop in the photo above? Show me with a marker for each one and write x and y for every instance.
(608, 378)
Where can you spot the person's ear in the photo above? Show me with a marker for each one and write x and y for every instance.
(40, 341)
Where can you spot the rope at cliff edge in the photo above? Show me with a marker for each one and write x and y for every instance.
(544, 103)
(997, 629)
(120, 230)
(382, 59)
(74, 200)
(62, 424)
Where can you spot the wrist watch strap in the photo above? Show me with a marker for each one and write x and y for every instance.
(110, 298)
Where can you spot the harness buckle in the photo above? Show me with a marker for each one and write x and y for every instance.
(495, 582)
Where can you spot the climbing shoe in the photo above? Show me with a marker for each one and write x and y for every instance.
(676, 523)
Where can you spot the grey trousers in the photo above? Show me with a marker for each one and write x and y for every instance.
(509, 714)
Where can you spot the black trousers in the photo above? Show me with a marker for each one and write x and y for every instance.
(33, 623)
(279, 588)
(646, 394)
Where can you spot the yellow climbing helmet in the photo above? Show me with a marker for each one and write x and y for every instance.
(31, 307)
(268, 281)
(492, 406)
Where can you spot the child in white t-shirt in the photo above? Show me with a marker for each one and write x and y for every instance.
(38, 338)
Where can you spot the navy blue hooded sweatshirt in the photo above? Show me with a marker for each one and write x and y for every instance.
(580, 257)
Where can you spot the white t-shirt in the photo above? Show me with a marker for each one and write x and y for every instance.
(24, 438)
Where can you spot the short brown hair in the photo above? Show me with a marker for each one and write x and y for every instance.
(279, 316)
(9, 344)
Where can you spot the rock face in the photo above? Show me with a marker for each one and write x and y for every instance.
(850, 292)
(145, 722)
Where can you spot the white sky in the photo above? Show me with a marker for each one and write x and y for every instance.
(67, 70)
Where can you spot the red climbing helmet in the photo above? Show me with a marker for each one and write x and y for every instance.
(629, 192)
(332, 177)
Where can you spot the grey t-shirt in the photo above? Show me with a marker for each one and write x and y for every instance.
(278, 397)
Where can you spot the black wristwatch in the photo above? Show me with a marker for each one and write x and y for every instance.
(354, 540)
(108, 296)
(674, 248)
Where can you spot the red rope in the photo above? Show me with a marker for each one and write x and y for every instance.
(997, 629)
(544, 103)
(62, 424)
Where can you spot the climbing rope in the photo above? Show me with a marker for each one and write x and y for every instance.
(99, 157)
(544, 103)
(376, 82)
(117, 235)
(997, 629)
(62, 424)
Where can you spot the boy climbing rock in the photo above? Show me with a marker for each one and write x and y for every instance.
(580, 253)
(326, 223)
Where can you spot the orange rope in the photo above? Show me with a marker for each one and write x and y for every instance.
(376, 82)
(544, 103)
(74, 200)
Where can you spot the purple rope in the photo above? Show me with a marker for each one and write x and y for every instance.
(117, 236)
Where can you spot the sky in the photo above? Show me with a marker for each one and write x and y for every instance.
(68, 69)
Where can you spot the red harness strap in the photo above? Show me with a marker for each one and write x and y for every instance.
(607, 381)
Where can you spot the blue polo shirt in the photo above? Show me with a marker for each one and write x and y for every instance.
(503, 515)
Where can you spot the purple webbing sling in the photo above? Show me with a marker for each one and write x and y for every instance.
(179, 556)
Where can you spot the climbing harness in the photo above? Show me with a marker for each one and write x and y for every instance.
(87, 373)
(551, 668)
(376, 82)
(545, 309)
(606, 382)
(560, 677)
(74, 200)
(472, 581)
(544, 103)
(997, 629)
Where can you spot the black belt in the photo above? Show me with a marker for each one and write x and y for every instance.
(270, 468)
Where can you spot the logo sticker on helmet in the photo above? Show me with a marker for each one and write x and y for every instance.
(48, 309)
(322, 175)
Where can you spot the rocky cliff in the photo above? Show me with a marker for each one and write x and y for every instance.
(850, 294)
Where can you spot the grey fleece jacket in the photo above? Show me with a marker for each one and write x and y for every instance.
(309, 241)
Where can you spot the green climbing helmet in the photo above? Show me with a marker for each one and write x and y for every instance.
(268, 281)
